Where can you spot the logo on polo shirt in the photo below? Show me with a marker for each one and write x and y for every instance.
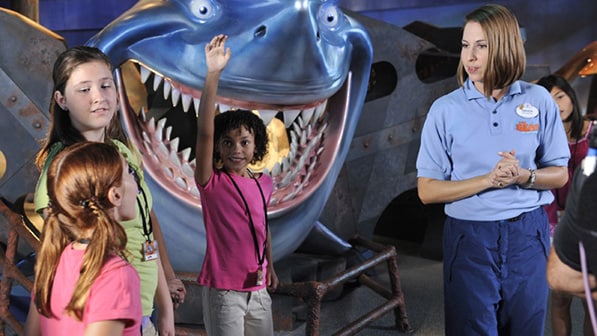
(523, 126)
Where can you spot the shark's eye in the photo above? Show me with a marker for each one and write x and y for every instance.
(204, 9)
(329, 16)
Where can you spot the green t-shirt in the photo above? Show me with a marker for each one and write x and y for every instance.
(148, 270)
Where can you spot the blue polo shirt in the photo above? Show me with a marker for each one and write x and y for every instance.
(464, 131)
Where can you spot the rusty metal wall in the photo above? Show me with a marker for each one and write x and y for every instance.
(25, 89)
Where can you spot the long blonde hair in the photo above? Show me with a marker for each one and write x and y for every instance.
(506, 61)
(79, 179)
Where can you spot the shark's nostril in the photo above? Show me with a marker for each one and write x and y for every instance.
(260, 32)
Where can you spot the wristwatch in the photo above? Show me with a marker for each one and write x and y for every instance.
(531, 182)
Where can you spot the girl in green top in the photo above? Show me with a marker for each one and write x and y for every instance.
(84, 107)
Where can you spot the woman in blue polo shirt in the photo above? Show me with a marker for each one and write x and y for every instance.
(491, 151)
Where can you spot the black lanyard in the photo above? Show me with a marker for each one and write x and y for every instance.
(147, 225)
(260, 258)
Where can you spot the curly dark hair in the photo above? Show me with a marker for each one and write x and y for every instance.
(230, 120)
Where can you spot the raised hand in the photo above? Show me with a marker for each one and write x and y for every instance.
(216, 55)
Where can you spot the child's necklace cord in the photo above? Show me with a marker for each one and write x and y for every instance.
(247, 173)
(260, 256)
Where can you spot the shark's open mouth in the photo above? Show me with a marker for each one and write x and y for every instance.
(304, 140)
(302, 66)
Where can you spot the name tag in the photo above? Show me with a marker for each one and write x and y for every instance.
(150, 250)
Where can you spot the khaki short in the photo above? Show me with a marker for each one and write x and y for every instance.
(233, 313)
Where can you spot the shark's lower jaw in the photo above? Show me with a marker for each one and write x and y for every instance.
(304, 140)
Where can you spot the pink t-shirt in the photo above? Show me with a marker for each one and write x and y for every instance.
(230, 259)
(113, 296)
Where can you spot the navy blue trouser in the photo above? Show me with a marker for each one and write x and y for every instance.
(494, 275)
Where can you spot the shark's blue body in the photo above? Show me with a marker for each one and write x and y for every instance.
(286, 56)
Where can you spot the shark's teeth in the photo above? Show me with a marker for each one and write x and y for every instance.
(301, 163)
(289, 196)
(181, 183)
(157, 80)
(276, 169)
(286, 180)
(173, 157)
(289, 117)
(186, 102)
(291, 174)
(151, 126)
(159, 131)
(175, 96)
(167, 89)
(196, 102)
(300, 121)
(292, 152)
(296, 128)
(308, 114)
(194, 191)
(143, 114)
(186, 154)
(303, 116)
(146, 138)
(303, 139)
(162, 150)
(169, 173)
(267, 115)
(224, 108)
(322, 129)
(188, 170)
(174, 145)
(148, 149)
(319, 110)
(285, 163)
(312, 166)
(144, 73)
(168, 132)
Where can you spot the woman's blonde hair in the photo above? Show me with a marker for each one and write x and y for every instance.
(79, 179)
(506, 61)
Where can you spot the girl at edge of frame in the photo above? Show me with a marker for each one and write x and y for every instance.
(577, 129)
(84, 107)
(234, 201)
(491, 151)
(84, 284)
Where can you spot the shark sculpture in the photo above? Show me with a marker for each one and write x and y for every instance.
(303, 66)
